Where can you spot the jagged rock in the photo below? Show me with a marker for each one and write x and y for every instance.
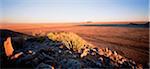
(95, 50)
(59, 51)
(107, 61)
(30, 52)
(47, 56)
(25, 59)
(106, 49)
(44, 66)
(40, 56)
(101, 52)
(108, 53)
(100, 58)
(35, 61)
(62, 46)
(8, 47)
(70, 64)
(85, 52)
(65, 52)
(99, 63)
(115, 53)
(17, 55)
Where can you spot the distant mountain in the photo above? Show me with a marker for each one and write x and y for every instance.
(144, 24)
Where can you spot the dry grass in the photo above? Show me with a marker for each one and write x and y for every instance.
(71, 40)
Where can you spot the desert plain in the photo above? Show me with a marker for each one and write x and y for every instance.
(130, 42)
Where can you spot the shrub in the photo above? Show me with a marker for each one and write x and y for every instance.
(71, 40)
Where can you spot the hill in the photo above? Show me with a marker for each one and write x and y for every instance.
(60, 50)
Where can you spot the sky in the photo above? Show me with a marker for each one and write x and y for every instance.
(73, 10)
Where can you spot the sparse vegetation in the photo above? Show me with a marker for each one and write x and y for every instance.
(71, 40)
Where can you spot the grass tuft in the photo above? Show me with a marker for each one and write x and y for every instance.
(71, 40)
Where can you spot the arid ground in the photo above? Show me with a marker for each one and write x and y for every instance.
(130, 42)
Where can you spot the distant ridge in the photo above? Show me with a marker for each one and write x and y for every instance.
(129, 25)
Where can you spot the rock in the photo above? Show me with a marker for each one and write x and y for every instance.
(93, 53)
(47, 56)
(30, 52)
(44, 53)
(40, 56)
(95, 49)
(115, 53)
(101, 52)
(126, 65)
(139, 66)
(99, 63)
(108, 53)
(70, 52)
(113, 57)
(124, 59)
(35, 61)
(17, 55)
(8, 47)
(33, 53)
(85, 52)
(100, 58)
(59, 51)
(27, 57)
(120, 62)
(62, 46)
(44, 66)
(106, 49)
(74, 56)
(18, 42)
(119, 57)
(107, 61)
(70, 64)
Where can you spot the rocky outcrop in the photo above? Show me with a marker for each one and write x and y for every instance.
(8, 47)
(65, 50)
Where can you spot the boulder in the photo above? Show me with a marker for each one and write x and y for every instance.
(85, 52)
(17, 55)
(8, 47)
(44, 66)
(70, 64)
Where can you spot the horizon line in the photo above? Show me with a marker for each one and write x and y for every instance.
(2, 22)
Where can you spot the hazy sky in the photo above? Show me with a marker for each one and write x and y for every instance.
(73, 10)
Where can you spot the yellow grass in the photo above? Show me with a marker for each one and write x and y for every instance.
(71, 40)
